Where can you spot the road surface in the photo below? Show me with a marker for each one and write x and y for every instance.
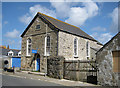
(17, 81)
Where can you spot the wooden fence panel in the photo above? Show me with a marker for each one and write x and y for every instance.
(79, 70)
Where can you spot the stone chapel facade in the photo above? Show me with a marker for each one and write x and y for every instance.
(46, 36)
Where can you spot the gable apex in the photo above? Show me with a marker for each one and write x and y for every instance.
(62, 26)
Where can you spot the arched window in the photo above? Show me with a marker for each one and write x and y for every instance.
(29, 43)
(47, 46)
(88, 49)
(19, 53)
(10, 53)
(75, 47)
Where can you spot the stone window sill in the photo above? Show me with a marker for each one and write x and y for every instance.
(37, 29)
(28, 56)
(75, 56)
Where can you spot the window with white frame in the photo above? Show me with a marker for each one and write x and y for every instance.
(88, 49)
(47, 46)
(19, 53)
(75, 47)
(29, 46)
(10, 53)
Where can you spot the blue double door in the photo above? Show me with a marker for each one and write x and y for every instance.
(38, 64)
(16, 62)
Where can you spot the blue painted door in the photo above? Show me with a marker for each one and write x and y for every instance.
(16, 62)
(38, 64)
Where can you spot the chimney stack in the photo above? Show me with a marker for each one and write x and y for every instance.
(8, 47)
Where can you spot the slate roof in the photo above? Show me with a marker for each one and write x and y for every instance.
(63, 26)
(5, 51)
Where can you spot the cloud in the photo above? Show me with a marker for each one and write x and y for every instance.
(99, 29)
(12, 34)
(114, 24)
(33, 10)
(69, 11)
(62, 8)
(11, 42)
(26, 19)
(103, 38)
(72, 12)
(78, 15)
(5, 22)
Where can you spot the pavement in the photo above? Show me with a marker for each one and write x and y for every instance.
(59, 82)
(17, 81)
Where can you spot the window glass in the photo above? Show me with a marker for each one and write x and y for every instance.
(47, 45)
(37, 26)
(29, 42)
(10, 54)
(75, 47)
(87, 49)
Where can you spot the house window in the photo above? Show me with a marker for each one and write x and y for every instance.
(19, 53)
(75, 47)
(88, 49)
(29, 43)
(47, 46)
(37, 26)
(10, 53)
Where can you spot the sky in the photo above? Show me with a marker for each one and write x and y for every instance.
(98, 19)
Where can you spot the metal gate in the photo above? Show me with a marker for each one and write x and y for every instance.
(81, 70)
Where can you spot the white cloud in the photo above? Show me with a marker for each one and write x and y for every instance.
(103, 38)
(62, 8)
(75, 15)
(114, 24)
(38, 8)
(78, 15)
(11, 42)
(33, 10)
(99, 29)
(5, 22)
(70, 11)
(12, 34)
(26, 19)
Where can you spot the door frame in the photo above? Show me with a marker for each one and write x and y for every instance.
(36, 64)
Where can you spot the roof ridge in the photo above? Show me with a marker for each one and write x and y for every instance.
(63, 22)
(14, 49)
(59, 20)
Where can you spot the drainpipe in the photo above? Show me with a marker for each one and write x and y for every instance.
(45, 52)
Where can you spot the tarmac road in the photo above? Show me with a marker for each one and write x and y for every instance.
(17, 81)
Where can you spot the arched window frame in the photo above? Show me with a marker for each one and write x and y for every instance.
(75, 47)
(47, 46)
(87, 49)
(19, 53)
(10, 53)
(29, 47)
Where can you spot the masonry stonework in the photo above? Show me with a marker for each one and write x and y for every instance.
(66, 46)
(38, 40)
(61, 42)
(106, 76)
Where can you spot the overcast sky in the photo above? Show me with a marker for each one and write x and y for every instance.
(98, 19)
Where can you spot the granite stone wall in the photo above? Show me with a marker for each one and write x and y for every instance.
(55, 67)
(106, 76)
(62, 44)
(66, 46)
(38, 43)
